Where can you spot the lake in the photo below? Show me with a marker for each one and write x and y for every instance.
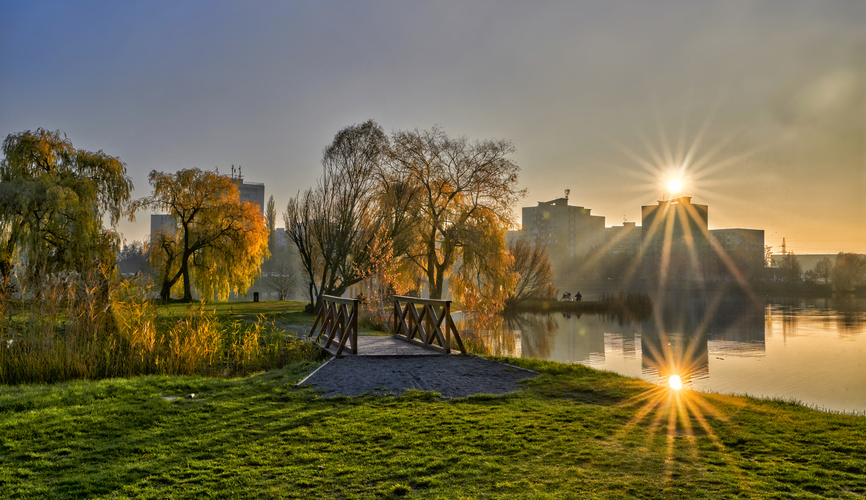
(809, 349)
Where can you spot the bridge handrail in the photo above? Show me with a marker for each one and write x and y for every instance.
(427, 325)
(337, 323)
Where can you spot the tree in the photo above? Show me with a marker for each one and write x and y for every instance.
(789, 268)
(823, 269)
(465, 193)
(334, 225)
(132, 258)
(271, 220)
(485, 276)
(535, 275)
(850, 269)
(53, 201)
(218, 241)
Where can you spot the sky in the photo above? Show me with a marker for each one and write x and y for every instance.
(759, 107)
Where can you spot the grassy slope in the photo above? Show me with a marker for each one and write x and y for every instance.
(575, 432)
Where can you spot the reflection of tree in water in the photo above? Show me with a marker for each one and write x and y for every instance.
(851, 314)
(486, 334)
(846, 311)
(536, 333)
(515, 335)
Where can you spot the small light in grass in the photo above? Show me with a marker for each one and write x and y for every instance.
(675, 185)
(675, 382)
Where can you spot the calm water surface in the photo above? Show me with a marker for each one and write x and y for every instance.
(812, 350)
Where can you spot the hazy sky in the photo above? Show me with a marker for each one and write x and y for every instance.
(764, 102)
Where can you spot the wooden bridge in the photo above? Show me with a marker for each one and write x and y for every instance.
(414, 333)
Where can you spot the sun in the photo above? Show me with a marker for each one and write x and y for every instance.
(675, 185)
(675, 382)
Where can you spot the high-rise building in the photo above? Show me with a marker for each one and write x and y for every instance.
(253, 192)
(556, 224)
(675, 239)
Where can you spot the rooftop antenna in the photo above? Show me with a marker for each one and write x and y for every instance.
(233, 170)
(567, 192)
(240, 176)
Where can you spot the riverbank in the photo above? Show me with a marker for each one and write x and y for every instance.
(635, 305)
(571, 432)
(596, 288)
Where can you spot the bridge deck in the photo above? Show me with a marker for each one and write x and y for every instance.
(383, 346)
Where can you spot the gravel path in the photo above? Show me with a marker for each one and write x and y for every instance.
(451, 376)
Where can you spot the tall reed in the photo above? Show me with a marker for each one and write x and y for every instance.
(90, 327)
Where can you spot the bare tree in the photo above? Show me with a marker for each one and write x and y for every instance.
(334, 225)
(535, 279)
(824, 268)
(790, 268)
(463, 188)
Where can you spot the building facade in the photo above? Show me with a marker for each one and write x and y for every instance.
(624, 239)
(675, 240)
(740, 252)
(563, 227)
(253, 192)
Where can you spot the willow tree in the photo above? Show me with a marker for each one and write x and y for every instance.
(216, 241)
(53, 201)
(465, 192)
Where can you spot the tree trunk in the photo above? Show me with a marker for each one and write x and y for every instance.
(187, 286)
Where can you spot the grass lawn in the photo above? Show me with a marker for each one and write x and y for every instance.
(282, 313)
(289, 312)
(573, 433)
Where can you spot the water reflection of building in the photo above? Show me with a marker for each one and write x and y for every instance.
(683, 335)
(684, 332)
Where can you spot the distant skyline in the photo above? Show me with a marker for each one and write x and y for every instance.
(763, 102)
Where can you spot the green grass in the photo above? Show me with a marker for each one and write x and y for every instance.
(288, 312)
(282, 313)
(573, 433)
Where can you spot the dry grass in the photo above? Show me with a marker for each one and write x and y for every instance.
(84, 328)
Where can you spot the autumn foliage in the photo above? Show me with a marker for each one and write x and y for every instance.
(215, 241)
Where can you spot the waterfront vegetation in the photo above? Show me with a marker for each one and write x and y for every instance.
(574, 432)
(90, 330)
(632, 305)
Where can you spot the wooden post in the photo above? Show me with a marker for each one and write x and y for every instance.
(446, 310)
(354, 332)
(396, 317)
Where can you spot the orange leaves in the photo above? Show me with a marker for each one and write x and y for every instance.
(217, 242)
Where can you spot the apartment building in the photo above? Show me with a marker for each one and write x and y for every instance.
(558, 225)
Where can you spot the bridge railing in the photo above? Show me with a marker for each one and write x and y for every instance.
(339, 321)
(426, 328)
